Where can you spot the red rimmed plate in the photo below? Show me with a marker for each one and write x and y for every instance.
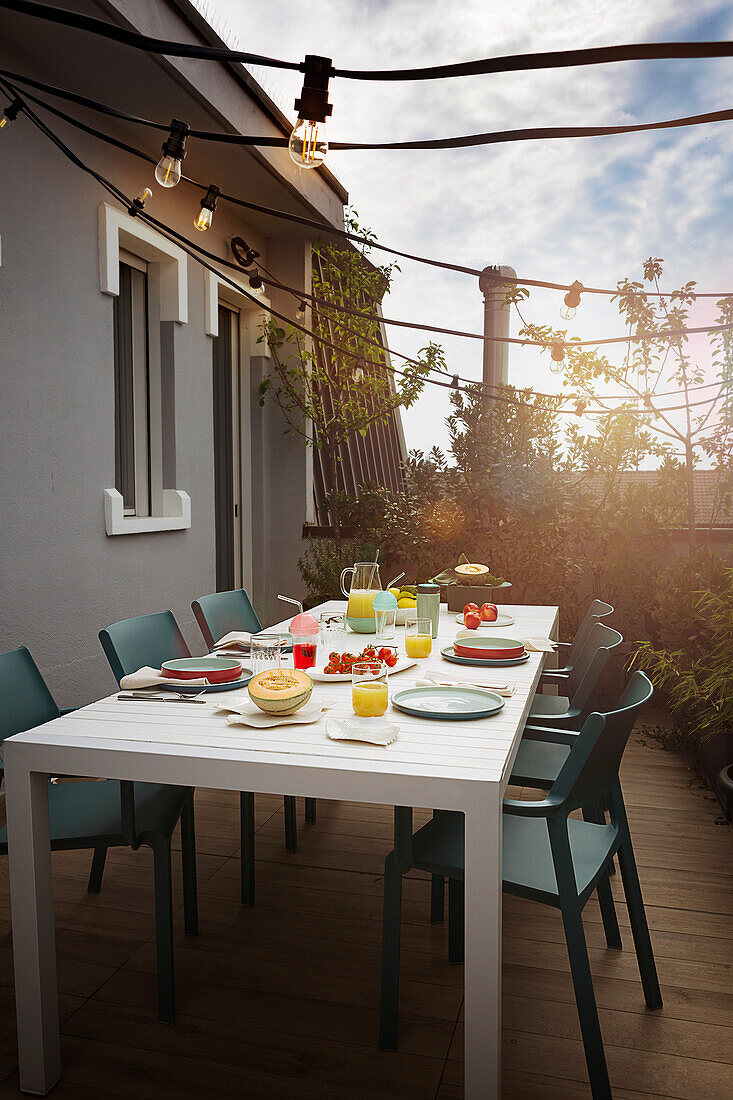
(494, 649)
(216, 670)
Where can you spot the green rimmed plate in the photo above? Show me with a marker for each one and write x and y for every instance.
(447, 704)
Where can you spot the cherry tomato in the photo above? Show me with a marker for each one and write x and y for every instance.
(472, 620)
(391, 661)
(369, 652)
(384, 653)
(470, 607)
(334, 657)
(489, 612)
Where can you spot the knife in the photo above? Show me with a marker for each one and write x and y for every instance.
(158, 699)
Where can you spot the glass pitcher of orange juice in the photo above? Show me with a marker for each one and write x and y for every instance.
(365, 584)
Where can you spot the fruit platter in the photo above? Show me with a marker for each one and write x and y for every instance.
(339, 665)
(406, 597)
(474, 617)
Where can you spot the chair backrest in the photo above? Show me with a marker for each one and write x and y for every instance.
(222, 612)
(591, 661)
(590, 772)
(25, 700)
(144, 640)
(598, 610)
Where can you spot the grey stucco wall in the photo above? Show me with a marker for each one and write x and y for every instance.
(63, 578)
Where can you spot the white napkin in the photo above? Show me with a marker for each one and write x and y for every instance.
(236, 642)
(506, 689)
(532, 645)
(149, 677)
(246, 713)
(375, 731)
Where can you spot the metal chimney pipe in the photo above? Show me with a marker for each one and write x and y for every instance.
(496, 323)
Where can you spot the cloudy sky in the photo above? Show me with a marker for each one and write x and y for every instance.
(590, 209)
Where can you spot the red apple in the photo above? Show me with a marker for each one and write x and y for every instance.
(489, 612)
(470, 607)
(472, 619)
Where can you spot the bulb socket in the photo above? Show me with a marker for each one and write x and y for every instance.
(255, 280)
(208, 202)
(12, 110)
(313, 103)
(174, 145)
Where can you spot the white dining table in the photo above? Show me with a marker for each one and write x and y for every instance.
(463, 765)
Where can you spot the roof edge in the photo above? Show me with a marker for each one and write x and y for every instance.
(194, 17)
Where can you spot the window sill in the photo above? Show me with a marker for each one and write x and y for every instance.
(176, 514)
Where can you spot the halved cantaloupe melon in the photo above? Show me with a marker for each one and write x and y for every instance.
(472, 572)
(280, 690)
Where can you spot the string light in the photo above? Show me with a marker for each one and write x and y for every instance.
(580, 406)
(189, 247)
(454, 382)
(170, 166)
(571, 301)
(358, 373)
(557, 352)
(300, 312)
(138, 204)
(307, 145)
(256, 282)
(205, 216)
(10, 113)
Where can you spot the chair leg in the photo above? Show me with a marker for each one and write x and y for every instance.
(188, 863)
(455, 920)
(437, 899)
(291, 824)
(391, 930)
(247, 846)
(97, 870)
(639, 926)
(310, 811)
(164, 929)
(585, 999)
(603, 889)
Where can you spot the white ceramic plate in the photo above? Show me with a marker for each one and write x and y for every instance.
(503, 620)
(320, 676)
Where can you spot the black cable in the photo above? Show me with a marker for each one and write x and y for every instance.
(195, 251)
(533, 133)
(551, 59)
(638, 338)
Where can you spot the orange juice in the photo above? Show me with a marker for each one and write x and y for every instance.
(418, 645)
(369, 699)
(361, 602)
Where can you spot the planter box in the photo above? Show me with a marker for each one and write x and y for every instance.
(458, 595)
(715, 755)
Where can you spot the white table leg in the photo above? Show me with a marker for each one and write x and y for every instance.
(483, 948)
(34, 941)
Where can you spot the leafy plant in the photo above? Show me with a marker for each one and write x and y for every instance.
(340, 382)
(695, 668)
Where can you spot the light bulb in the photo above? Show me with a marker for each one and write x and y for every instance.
(558, 354)
(170, 166)
(168, 171)
(307, 145)
(256, 283)
(138, 204)
(358, 375)
(205, 216)
(571, 301)
(300, 312)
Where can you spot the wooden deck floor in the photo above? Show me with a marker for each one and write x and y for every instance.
(280, 1001)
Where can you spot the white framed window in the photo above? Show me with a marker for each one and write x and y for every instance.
(146, 275)
(138, 428)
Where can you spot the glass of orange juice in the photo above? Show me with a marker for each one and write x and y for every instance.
(369, 691)
(418, 637)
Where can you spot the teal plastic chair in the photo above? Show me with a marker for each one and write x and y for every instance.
(108, 813)
(217, 614)
(548, 857)
(569, 651)
(582, 684)
(149, 640)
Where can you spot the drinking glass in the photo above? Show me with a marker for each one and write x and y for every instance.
(369, 690)
(266, 651)
(418, 637)
(331, 632)
(385, 624)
